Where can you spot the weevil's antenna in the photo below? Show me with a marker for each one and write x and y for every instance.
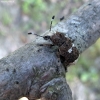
(51, 22)
(29, 33)
(45, 37)
(62, 18)
(34, 34)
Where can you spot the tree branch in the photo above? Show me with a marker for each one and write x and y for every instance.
(83, 27)
(35, 71)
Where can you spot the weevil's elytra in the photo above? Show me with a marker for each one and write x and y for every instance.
(67, 52)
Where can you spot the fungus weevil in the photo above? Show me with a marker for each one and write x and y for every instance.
(67, 52)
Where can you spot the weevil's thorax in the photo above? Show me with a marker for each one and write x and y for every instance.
(58, 39)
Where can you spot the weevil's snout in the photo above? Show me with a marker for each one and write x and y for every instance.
(43, 40)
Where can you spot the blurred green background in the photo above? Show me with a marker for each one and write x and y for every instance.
(18, 17)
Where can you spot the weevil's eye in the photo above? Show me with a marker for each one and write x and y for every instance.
(47, 37)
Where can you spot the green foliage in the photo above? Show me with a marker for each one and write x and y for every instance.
(90, 76)
(35, 4)
(87, 73)
(85, 69)
(2, 33)
(33, 7)
(6, 19)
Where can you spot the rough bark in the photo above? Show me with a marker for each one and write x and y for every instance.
(36, 72)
